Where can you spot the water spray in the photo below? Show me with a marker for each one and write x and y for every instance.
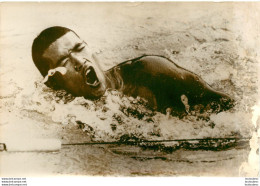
(51, 72)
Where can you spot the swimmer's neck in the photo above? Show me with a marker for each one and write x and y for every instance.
(114, 79)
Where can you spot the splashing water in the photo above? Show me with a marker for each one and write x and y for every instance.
(115, 117)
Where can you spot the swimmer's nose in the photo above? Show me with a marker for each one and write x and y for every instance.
(78, 61)
(78, 67)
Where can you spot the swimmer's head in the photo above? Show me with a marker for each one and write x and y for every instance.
(62, 47)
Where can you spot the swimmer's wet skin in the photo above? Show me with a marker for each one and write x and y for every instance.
(157, 79)
(164, 85)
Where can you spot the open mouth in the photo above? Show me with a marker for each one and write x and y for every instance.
(91, 77)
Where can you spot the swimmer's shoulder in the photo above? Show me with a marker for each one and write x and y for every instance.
(145, 64)
(153, 58)
(146, 60)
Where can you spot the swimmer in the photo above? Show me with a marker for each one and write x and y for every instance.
(156, 78)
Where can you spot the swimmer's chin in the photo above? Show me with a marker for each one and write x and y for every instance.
(97, 95)
(93, 97)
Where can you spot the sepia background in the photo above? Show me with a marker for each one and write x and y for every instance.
(218, 41)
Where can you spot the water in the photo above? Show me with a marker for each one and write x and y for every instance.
(207, 41)
(123, 160)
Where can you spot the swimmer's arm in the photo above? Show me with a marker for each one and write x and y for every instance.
(191, 83)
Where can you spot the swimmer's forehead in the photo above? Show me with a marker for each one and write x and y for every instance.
(61, 46)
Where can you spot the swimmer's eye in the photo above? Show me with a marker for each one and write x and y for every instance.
(64, 62)
(80, 47)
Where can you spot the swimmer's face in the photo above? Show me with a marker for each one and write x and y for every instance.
(84, 76)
